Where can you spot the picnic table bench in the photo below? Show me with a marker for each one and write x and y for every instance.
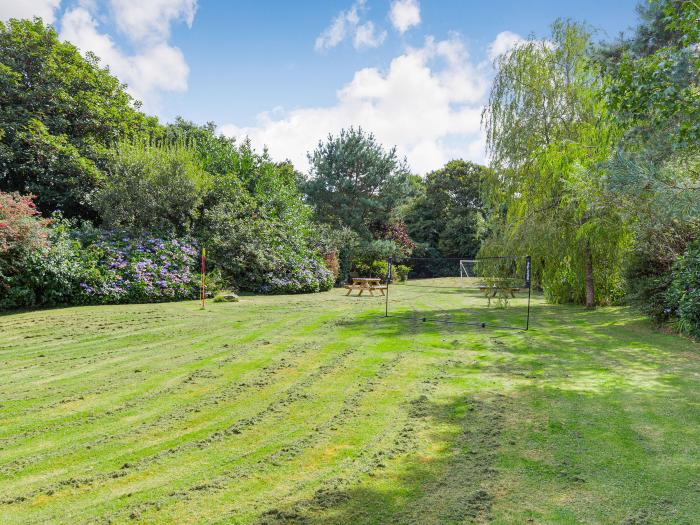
(366, 284)
(491, 291)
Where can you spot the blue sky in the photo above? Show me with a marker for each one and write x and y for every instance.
(415, 72)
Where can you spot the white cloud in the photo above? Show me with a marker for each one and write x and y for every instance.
(154, 68)
(365, 36)
(404, 14)
(150, 20)
(347, 24)
(342, 25)
(46, 9)
(504, 42)
(428, 103)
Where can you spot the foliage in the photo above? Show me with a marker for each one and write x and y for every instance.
(683, 293)
(355, 182)
(396, 232)
(45, 273)
(123, 269)
(23, 244)
(341, 242)
(447, 218)
(401, 272)
(548, 133)
(152, 188)
(255, 225)
(59, 114)
(226, 296)
(655, 75)
(376, 268)
(21, 229)
(299, 276)
(653, 91)
(331, 261)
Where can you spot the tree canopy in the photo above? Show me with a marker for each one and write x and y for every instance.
(447, 218)
(60, 113)
(548, 132)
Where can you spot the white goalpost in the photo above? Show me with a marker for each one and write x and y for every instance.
(464, 267)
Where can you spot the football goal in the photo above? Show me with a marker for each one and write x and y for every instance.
(486, 291)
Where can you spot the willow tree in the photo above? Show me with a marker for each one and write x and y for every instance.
(548, 133)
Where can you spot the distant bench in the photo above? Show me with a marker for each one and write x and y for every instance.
(365, 284)
(491, 291)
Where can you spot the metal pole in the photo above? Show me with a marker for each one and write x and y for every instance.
(528, 269)
(204, 254)
(388, 280)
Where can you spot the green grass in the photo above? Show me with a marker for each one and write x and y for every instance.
(315, 409)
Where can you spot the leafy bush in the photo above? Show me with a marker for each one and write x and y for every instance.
(683, 294)
(401, 272)
(21, 229)
(152, 188)
(302, 276)
(128, 270)
(376, 268)
(23, 249)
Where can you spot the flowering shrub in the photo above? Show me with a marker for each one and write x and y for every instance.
(22, 230)
(127, 270)
(303, 276)
(23, 249)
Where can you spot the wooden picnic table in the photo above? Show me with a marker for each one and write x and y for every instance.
(369, 284)
(491, 291)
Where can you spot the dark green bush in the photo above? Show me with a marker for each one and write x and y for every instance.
(401, 272)
(683, 293)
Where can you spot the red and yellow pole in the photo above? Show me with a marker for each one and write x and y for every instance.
(204, 256)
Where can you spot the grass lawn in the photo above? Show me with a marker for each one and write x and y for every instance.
(314, 409)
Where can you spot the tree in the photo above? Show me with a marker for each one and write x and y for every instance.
(157, 188)
(355, 182)
(447, 218)
(253, 220)
(59, 114)
(548, 131)
(653, 91)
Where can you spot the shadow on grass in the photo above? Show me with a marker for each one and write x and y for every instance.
(455, 486)
(600, 406)
(567, 347)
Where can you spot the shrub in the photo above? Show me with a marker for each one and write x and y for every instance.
(24, 249)
(401, 272)
(683, 294)
(128, 270)
(152, 188)
(22, 231)
(376, 268)
(302, 276)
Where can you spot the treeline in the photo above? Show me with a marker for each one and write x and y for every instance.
(100, 203)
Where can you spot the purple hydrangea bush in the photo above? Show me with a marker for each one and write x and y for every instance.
(308, 275)
(128, 270)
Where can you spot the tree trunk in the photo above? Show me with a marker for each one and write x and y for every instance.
(590, 292)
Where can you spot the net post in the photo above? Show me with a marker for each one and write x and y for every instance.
(528, 268)
(388, 280)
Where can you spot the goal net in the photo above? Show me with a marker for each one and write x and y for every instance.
(486, 291)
